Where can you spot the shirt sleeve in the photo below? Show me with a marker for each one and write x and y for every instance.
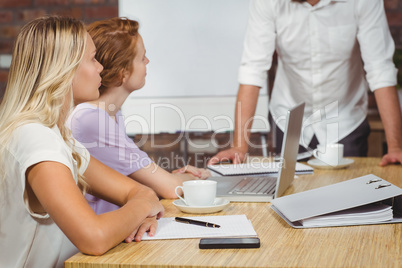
(34, 143)
(376, 44)
(106, 140)
(259, 44)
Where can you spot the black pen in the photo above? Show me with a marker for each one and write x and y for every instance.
(200, 223)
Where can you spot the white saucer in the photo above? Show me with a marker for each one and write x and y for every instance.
(316, 163)
(219, 204)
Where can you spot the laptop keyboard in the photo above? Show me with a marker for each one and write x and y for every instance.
(254, 185)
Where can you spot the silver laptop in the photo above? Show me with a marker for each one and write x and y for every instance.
(265, 188)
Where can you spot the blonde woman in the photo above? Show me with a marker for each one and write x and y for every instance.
(44, 172)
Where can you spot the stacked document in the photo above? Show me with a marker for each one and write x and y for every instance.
(372, 213)
(364, 200)
(256, 168)
(230, 226)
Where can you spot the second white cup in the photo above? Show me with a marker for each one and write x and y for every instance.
(331, 154)
(198, 193)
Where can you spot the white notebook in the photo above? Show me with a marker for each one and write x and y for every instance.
(231, 226)
(258, 168)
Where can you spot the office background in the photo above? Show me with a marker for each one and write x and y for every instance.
(14, 14)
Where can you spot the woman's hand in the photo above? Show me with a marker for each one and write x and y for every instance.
(199, 173)
(147, 197)
(148, 225)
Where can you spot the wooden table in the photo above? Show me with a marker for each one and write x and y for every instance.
(281, 245)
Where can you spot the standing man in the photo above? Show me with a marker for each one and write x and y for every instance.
(330, 53)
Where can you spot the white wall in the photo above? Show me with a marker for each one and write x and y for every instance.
(194, 47)
(200, 114)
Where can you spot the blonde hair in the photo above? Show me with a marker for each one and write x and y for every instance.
(46, 55)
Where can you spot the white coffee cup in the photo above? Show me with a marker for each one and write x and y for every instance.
(330, 154)
(198, 193)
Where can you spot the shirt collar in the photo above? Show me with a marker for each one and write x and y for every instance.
(324, 3)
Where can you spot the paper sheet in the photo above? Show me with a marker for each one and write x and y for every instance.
(231, 226)
(372, 213)
(256, 168)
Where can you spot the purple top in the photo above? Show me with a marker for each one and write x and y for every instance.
(107, 141)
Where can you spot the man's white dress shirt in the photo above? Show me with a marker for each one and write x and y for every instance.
(329, 55)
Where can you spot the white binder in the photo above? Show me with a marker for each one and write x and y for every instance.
(339, 197)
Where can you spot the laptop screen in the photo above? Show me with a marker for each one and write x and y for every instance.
(290, 148)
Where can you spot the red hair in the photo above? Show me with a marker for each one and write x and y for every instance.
(115, 41)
